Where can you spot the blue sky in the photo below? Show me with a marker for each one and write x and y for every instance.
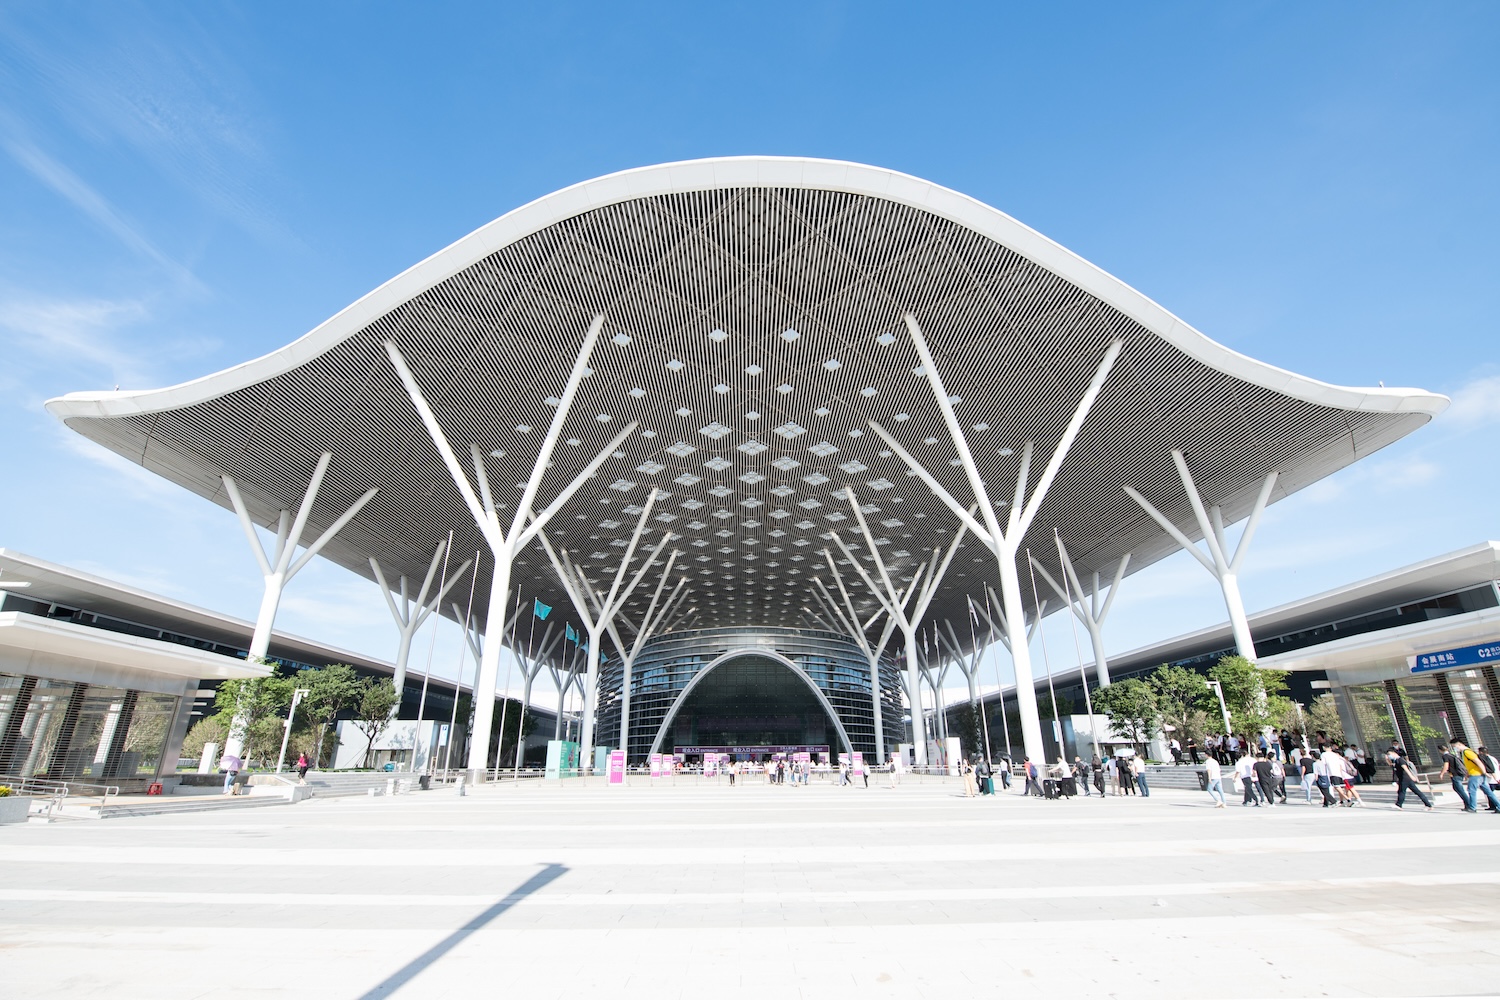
(186, 186)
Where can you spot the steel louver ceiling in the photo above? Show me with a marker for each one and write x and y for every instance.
(752, 325)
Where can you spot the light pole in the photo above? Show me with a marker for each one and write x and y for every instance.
(1219, 690)
(286, 725)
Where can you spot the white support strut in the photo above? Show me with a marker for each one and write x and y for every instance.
(1220, 563)
(278, 569)
(525, 523)
(412, 612)
(1091, 613)
(1004, 542)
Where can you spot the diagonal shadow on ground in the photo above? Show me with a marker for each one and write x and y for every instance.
(412, 969)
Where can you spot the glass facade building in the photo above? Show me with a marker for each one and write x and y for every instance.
(733, 687)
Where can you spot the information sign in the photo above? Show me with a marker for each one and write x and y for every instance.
(617, 767)
(1465, 656)
(656, 765)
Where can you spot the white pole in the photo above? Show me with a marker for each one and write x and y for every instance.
(286, 731)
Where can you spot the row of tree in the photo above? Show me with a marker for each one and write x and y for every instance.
(337, 692)
(1180, 698)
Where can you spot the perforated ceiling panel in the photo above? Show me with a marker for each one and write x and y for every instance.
(754, 333)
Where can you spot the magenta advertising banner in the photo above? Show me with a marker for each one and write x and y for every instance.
(656, 765)
(617, 767)
(859, 761)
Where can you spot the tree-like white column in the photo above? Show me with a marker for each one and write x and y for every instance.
(597, 608)
(657, 614)
(1004, 542)
(525, 524)
(278, 568)
(1223, 565)
(1090, 607)
(843, 617)
(893, 600)
(414, 610)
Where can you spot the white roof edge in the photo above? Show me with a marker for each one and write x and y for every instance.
(227, 622)
(747, 171)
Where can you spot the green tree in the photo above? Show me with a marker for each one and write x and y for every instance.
(255, 706)
(377, 700)
(1249, 692)
(1131, 707)
(210, 729)
(1323, 714)
(331, 690)
(1181, 696)
(963, 722)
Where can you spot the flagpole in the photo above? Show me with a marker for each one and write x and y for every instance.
(505, 704)
(458, 676)
(530, 668)
(431, 645)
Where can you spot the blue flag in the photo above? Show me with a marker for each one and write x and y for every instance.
(569, 634)
(541, 610)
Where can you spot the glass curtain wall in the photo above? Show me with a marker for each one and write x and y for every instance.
(81, 732)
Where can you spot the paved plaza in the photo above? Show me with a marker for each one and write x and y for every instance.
(698, 890)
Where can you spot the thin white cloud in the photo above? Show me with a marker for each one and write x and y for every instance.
(81, 333)
(92, 204)
(1476, 404)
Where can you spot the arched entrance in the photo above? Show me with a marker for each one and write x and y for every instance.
(753, 695)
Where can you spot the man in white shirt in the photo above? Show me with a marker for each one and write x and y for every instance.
(1215, 781)
(1244, 769)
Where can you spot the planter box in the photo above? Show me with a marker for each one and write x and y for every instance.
(15, 808)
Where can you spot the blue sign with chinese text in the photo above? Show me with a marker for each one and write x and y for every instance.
(1468, 656)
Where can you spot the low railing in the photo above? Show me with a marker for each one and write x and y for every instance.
(56, 791)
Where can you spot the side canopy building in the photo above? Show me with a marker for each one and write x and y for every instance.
(743, 395)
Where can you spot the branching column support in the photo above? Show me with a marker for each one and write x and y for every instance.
(651, 621)
(525, 523)
(597, 610)
(1224, 566)
(893, 601)
(1092, 613)
(1004, 542)
(413, 611)
(284, 563)
(844, 618)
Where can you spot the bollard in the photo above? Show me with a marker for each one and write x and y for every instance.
(370, 792)
(460, 788)
(390, 786)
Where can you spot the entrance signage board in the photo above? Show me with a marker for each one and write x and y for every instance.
(758, 748)
(859, 762)
(617, 767)
(656, 765)
(1465, 656)
(711, 765)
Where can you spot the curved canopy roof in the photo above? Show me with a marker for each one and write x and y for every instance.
(752, 325)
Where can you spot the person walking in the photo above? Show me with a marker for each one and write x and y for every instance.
(1138, 772)
(1307, 764)
(1175, 748)
(1322, 778)
(302, 767)
(1475, 780)
(1491, 769)
(1406, 778)
(971, 787)
(1215, 785)
(1244, 770)
(1265, 777)
(231, 766)
(1097, 767)
(1081, 776)
(985, 774)
(895, 770)
(1192, 751)
(1451, 770)
(1033, 787)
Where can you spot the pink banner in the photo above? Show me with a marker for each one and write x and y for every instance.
(617, 767)
(656, 765)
